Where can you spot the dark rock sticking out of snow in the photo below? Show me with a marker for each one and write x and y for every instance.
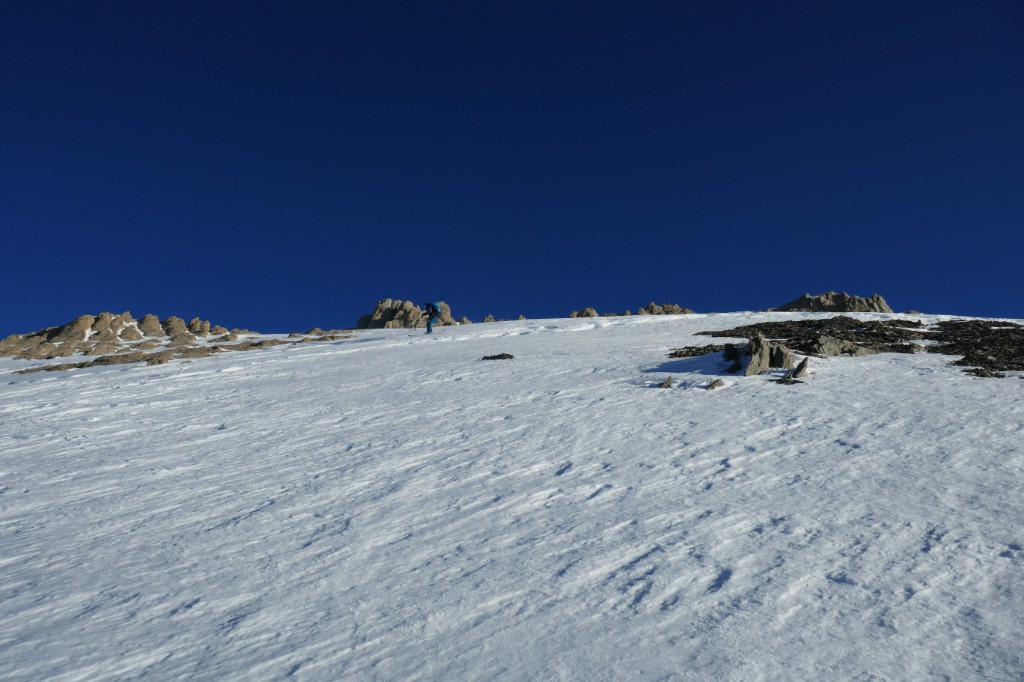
(991, 347)
(499, 356)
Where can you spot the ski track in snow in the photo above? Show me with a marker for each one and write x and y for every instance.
(390, 507)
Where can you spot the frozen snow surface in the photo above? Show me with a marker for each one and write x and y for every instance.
(391, 507)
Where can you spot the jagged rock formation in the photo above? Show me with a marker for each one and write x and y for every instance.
(833, 302)
(108, 339)
(398, 314)
(489, 318)
(103, 334)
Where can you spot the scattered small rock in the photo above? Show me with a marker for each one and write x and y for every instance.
(667, 383)
(717, 383)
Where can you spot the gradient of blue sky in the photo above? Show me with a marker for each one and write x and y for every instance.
(283, 165)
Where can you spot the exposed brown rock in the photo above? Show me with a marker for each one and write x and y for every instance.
(102, 322)
(218, 330)
(103, 348)
(149, 325)
(75, 331)
(653, 308)
(586, 312)
(131, 334)
(667, 383)
(717, 383)
(42, 351)
(392, 314)
(199, 327)
(121, 321)
(119, 358)
(177, 331)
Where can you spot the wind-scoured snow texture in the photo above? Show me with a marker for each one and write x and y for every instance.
(389, 507)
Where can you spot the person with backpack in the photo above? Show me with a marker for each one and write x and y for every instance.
(433, 314)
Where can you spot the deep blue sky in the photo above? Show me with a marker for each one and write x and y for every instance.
(280, 165)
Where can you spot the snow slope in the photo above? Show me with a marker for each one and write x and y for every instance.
(391, 507)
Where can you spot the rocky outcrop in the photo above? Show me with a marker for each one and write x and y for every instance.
(833, 302)
(389, 314)
(177, 331)
(398, 314)
(106, 334)
(586, 312)
(149, 325)
(199, 327)
(651, 308)
(489, 318)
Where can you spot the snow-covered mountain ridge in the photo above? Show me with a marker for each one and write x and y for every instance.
(390, 507)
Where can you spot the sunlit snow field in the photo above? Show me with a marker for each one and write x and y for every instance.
(391, 507)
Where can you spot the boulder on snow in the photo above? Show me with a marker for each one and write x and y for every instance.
(199, 327)
(149, 325)
(776, 355)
